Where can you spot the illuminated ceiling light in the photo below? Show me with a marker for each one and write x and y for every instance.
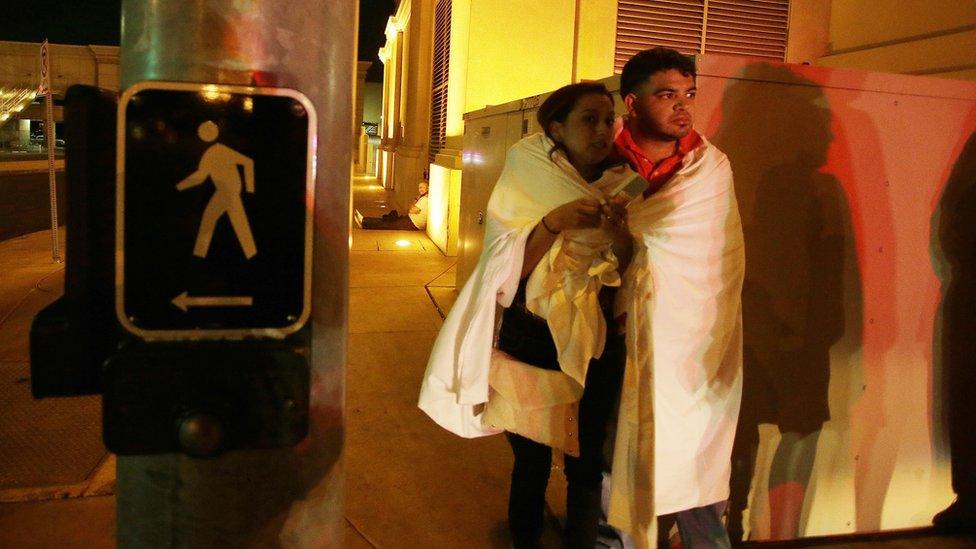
(212, 93)
(403, 243)
(14, 100)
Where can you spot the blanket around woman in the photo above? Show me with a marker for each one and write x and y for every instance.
(562, 289)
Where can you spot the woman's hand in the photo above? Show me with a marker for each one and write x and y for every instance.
(614, 211)
(615, 217)
(583, 213)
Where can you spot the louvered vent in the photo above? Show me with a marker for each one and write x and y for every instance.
(756, 28)
(441, 62)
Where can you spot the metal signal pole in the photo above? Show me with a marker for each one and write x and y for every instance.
(289, 496)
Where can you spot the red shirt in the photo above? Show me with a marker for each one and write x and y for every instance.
(656, 174)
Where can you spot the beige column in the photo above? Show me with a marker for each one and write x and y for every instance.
(23, 132)
(385, 147)
(411, 155)
(357, 124)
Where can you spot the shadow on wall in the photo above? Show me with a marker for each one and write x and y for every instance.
(954, 260)
(802, 292)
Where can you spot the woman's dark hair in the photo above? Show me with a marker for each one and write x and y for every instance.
(560, 103)
(643, 64)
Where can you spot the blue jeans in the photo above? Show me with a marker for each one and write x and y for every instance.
(699, 527)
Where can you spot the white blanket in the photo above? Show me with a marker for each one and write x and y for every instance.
(562, 288)
(682, 386)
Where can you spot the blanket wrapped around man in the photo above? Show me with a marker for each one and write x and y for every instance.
(681, 297)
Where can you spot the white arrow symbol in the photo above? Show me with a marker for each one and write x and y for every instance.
(184, 301)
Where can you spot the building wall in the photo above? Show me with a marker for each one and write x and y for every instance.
(506, 49)
(517, 56)
(932, 37)
(373, 102)
(503, 50)
(24, 199)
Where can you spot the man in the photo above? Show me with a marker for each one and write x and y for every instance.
(415, 220)
(681, 398)
(418, 211)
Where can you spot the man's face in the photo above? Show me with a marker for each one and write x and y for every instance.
(663, 108)
(422, 188)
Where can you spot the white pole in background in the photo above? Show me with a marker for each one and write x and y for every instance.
(49, 139)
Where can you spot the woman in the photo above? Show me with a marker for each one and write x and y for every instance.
(549, 258)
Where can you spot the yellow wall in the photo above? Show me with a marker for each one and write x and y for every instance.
(444, 203)
(514, 49)
(856, 23)
(597, 32)
(503, 50)
(934, 37)
(457, 72)
(809, 30)
(518, 48)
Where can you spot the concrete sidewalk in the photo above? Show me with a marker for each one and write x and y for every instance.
(56, 479)
(409, 483)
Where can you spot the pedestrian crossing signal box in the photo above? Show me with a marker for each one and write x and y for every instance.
(214, 211)
(214, 197)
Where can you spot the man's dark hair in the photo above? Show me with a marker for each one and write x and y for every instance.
(643, 64)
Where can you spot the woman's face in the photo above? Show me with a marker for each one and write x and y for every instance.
(587, 133)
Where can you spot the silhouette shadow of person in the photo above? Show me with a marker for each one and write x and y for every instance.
(954, 259)
(801, 280)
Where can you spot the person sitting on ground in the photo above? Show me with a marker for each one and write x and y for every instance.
(415, 220)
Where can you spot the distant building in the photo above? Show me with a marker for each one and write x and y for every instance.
(20, 79)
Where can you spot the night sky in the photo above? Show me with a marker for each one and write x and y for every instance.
(97, 22)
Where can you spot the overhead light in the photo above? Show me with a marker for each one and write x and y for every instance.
(14, 100)
(212, 93)
(403, 243)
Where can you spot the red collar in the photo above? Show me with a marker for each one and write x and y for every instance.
(656, 173)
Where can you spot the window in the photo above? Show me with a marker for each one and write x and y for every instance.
(441, 62)
(756, 28)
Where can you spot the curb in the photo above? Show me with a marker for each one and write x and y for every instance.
(100, 483)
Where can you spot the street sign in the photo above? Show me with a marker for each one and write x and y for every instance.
(45, 87)
(213, 211)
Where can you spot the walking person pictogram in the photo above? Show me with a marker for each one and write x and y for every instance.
(220, 163)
